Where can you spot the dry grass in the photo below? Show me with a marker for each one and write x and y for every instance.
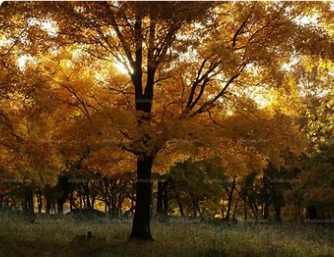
(53, 238)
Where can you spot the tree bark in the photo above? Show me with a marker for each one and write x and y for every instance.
(28, 200)
(165, 199)
(180, 206)
(28, 207)
(141, 221)
(245, 211)
(278, 213)
(230, 199)
(235, 210)
(60, 207)
(162, 199)
(48, 206)
(39, 201)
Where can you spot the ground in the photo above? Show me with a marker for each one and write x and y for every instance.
(173, 238)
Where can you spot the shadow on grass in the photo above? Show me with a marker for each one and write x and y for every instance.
(29, 248)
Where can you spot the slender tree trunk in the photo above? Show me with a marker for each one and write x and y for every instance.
(278, 213)
(28, 200)
(39, 201)
(132, 204)
(106, 207)
(141, 222)
(71, 201)
(87, 195)
(245, 211)
(28, 207)
(93, 201)
(230, 199)
(195, 208)
(266, 211)
(119, 207)
(165, 199)
(267, 193)
(48, 198)
(162, 199)
(14, 203)
(48, 206)
(235, 210)
(180, 206)
(312, 212)
(113, 207)
(80, 200)
(60, 207)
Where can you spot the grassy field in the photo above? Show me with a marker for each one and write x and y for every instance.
(174, 238)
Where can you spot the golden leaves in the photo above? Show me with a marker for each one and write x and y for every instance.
(81, 95)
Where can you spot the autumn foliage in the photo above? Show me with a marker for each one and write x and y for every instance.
(99, 99)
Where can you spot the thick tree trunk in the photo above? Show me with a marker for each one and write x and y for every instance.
(141, 222)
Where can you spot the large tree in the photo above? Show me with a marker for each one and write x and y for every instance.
(181, 59)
